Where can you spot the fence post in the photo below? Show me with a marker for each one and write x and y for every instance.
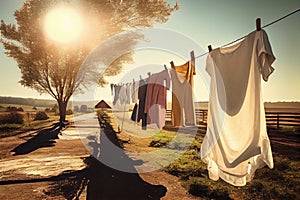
(28, 115)
(277, 120)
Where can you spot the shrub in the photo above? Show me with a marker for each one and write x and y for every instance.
(54, 108)
(34, 108)
(20, 109)
(83, 108)
(11, 109)
(69, 112)
(47, 110)
(41, 115)
(12, 118)
(76, 108)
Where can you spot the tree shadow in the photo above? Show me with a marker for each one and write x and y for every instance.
(44, 138)
(101, 179)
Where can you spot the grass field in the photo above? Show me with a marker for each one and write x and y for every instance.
(28, 116)
(282, 182)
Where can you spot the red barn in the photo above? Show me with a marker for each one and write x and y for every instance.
(102, 104)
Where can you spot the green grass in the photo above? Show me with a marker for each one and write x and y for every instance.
(162, 138)
(282, 182)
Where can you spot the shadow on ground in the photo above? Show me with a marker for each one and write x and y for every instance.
(100, 180)
(44, 138)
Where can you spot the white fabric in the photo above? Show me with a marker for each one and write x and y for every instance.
(236, 141)
(135, 92)
(128, 93)
(122, 94)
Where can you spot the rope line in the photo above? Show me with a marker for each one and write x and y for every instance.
(269, 24)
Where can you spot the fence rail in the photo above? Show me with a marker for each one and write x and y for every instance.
(276, 119)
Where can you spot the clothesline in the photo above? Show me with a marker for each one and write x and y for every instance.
(269, 24)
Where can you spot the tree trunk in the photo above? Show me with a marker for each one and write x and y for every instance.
(62, 105)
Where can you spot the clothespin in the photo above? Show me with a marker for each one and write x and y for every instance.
(258, 24)
(149, 73)
(165, 66)
(172, 64)
(192, 58)
(133, 80)
(141, 77)
(209, 48)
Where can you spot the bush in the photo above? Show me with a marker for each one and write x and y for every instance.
(69, 112)
(41, 115)
(54, 108)
(12, 118)
(76, 108)
(34, 108)
(83, 108)
(11, 109)
(47, 110)
(20, 109)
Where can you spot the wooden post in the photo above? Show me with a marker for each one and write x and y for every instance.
(277, 120)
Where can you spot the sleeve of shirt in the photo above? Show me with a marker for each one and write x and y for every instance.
(265, 56)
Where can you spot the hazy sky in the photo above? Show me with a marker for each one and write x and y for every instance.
(208, 22)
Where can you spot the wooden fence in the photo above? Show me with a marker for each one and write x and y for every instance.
(279, 119)
(273, 119)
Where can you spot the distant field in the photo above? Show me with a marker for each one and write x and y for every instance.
(26, 108)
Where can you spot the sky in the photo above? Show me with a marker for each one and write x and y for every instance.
(201, 22)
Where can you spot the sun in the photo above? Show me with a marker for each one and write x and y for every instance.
(63, 24)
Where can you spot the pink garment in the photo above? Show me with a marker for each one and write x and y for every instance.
(156, 98)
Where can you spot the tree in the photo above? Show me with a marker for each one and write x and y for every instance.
(83, 108)
(76, 108)
(51, 68)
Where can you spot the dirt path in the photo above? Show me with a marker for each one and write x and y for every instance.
(45, 167)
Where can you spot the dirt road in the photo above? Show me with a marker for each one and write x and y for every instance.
(56, 164)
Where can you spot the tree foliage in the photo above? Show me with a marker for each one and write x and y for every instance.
(52, 68)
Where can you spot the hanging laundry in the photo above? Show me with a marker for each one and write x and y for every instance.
(141, 107)
(123, 94)
(134, 113)
(135, 99)
(128, 93)
(156, 98)
(112, 89)
(116, 93)
(183, 112)
(236, 142)
(135, 92)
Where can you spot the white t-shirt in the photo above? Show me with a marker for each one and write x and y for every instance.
(236, 142)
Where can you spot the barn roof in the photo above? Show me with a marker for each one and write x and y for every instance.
(102, 104)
